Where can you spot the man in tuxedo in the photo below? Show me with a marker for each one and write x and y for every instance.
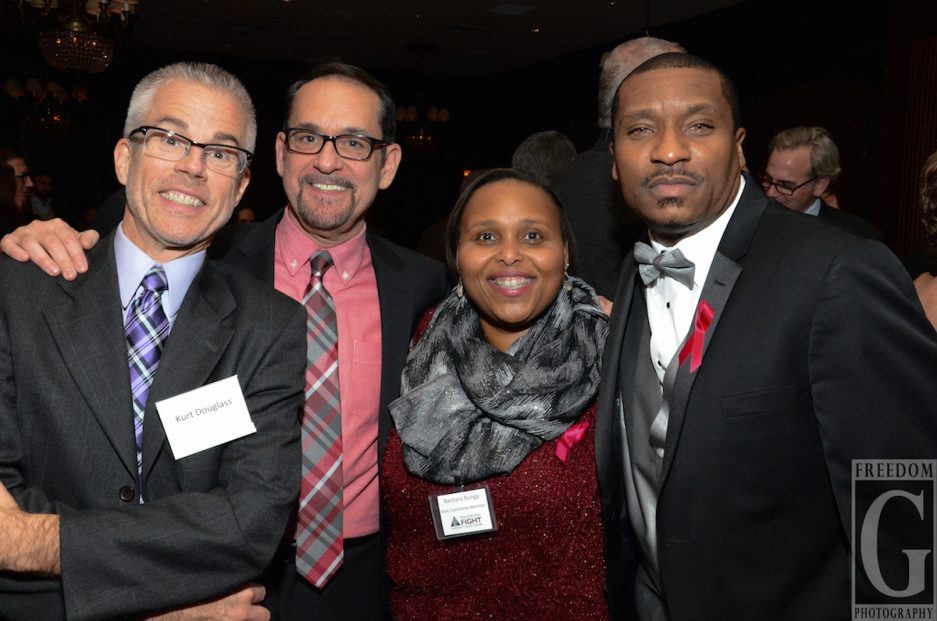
(753, 354)
(335, 152)
(115, 502)
(802, 164)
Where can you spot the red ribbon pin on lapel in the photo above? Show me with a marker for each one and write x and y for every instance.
(694, 345)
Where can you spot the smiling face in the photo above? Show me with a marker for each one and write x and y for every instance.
(174, 208)
(330, 195)
(511, 257)
(677, 157)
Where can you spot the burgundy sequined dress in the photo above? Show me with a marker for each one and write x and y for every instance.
(544, 562)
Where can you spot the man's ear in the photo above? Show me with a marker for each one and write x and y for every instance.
(819, 188)
(122, 157)
(739, 139)
(280, 147)
(392, 156)
(242, 185)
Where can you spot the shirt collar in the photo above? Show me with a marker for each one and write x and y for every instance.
(814, 209)
(296, 247)
(133, 264)
(701, 246)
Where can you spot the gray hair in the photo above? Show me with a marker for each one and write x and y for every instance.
(621, 61)
(204, 74)
(824, 156)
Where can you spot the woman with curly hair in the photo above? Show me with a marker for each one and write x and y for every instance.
(926, 283)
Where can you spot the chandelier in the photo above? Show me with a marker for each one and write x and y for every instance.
(77, 35)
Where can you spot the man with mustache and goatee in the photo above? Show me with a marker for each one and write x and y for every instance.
(753, 355)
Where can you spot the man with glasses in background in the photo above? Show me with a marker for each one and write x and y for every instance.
(335, 152)
(24, 179)
(149, 456)
(802, 164)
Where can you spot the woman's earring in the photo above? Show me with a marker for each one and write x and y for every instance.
(567, 284)
(459, 291)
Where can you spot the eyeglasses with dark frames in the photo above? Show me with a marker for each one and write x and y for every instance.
(165, 144)
(348, 146)
(782, 187)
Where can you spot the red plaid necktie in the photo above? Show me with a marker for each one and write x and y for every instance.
(319, 549)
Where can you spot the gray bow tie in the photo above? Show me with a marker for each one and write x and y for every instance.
(652, 264)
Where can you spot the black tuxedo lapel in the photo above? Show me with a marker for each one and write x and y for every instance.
(395, 298)
(723, 274)
(199, 337)
(88, 329)
(606, 439)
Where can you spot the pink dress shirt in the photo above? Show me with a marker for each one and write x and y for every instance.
(353, 287)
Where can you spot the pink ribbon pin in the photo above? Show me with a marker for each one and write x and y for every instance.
(575, 433)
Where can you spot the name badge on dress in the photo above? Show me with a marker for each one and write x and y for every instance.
(466, 512)
(205, 417)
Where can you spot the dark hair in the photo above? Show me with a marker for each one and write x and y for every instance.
(681, 60)
(543, 155)
(7, 186)
(929, 204)
(338, 69)
(494, 175)
(7, 154)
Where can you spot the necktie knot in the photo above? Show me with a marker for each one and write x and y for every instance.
(320, 262)
(652, 264)
(155, 280)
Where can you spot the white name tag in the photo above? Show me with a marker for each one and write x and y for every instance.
(205, 417)
(463, 513)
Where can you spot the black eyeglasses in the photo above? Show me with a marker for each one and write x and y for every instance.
(348, 146)
(782, 187)
(165, 144)
(23, 176)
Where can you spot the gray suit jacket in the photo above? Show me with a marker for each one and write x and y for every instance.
(818, 353)
(212, 520)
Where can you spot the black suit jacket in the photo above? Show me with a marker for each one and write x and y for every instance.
(212, 520)
(407, 284)
(819, 353)
(603, 226)
(848, 222)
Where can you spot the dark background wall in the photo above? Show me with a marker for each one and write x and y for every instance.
(869, 75)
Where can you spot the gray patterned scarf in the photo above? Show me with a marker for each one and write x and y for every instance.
(468, 411)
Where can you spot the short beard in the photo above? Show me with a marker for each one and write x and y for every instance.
(323, 218)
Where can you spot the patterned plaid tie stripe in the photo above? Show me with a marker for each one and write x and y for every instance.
(319, 542)
(147, 329)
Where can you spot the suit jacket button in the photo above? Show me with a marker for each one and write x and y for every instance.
(127, 493)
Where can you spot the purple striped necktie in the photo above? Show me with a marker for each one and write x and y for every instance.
(319, 541)
(147, 329)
